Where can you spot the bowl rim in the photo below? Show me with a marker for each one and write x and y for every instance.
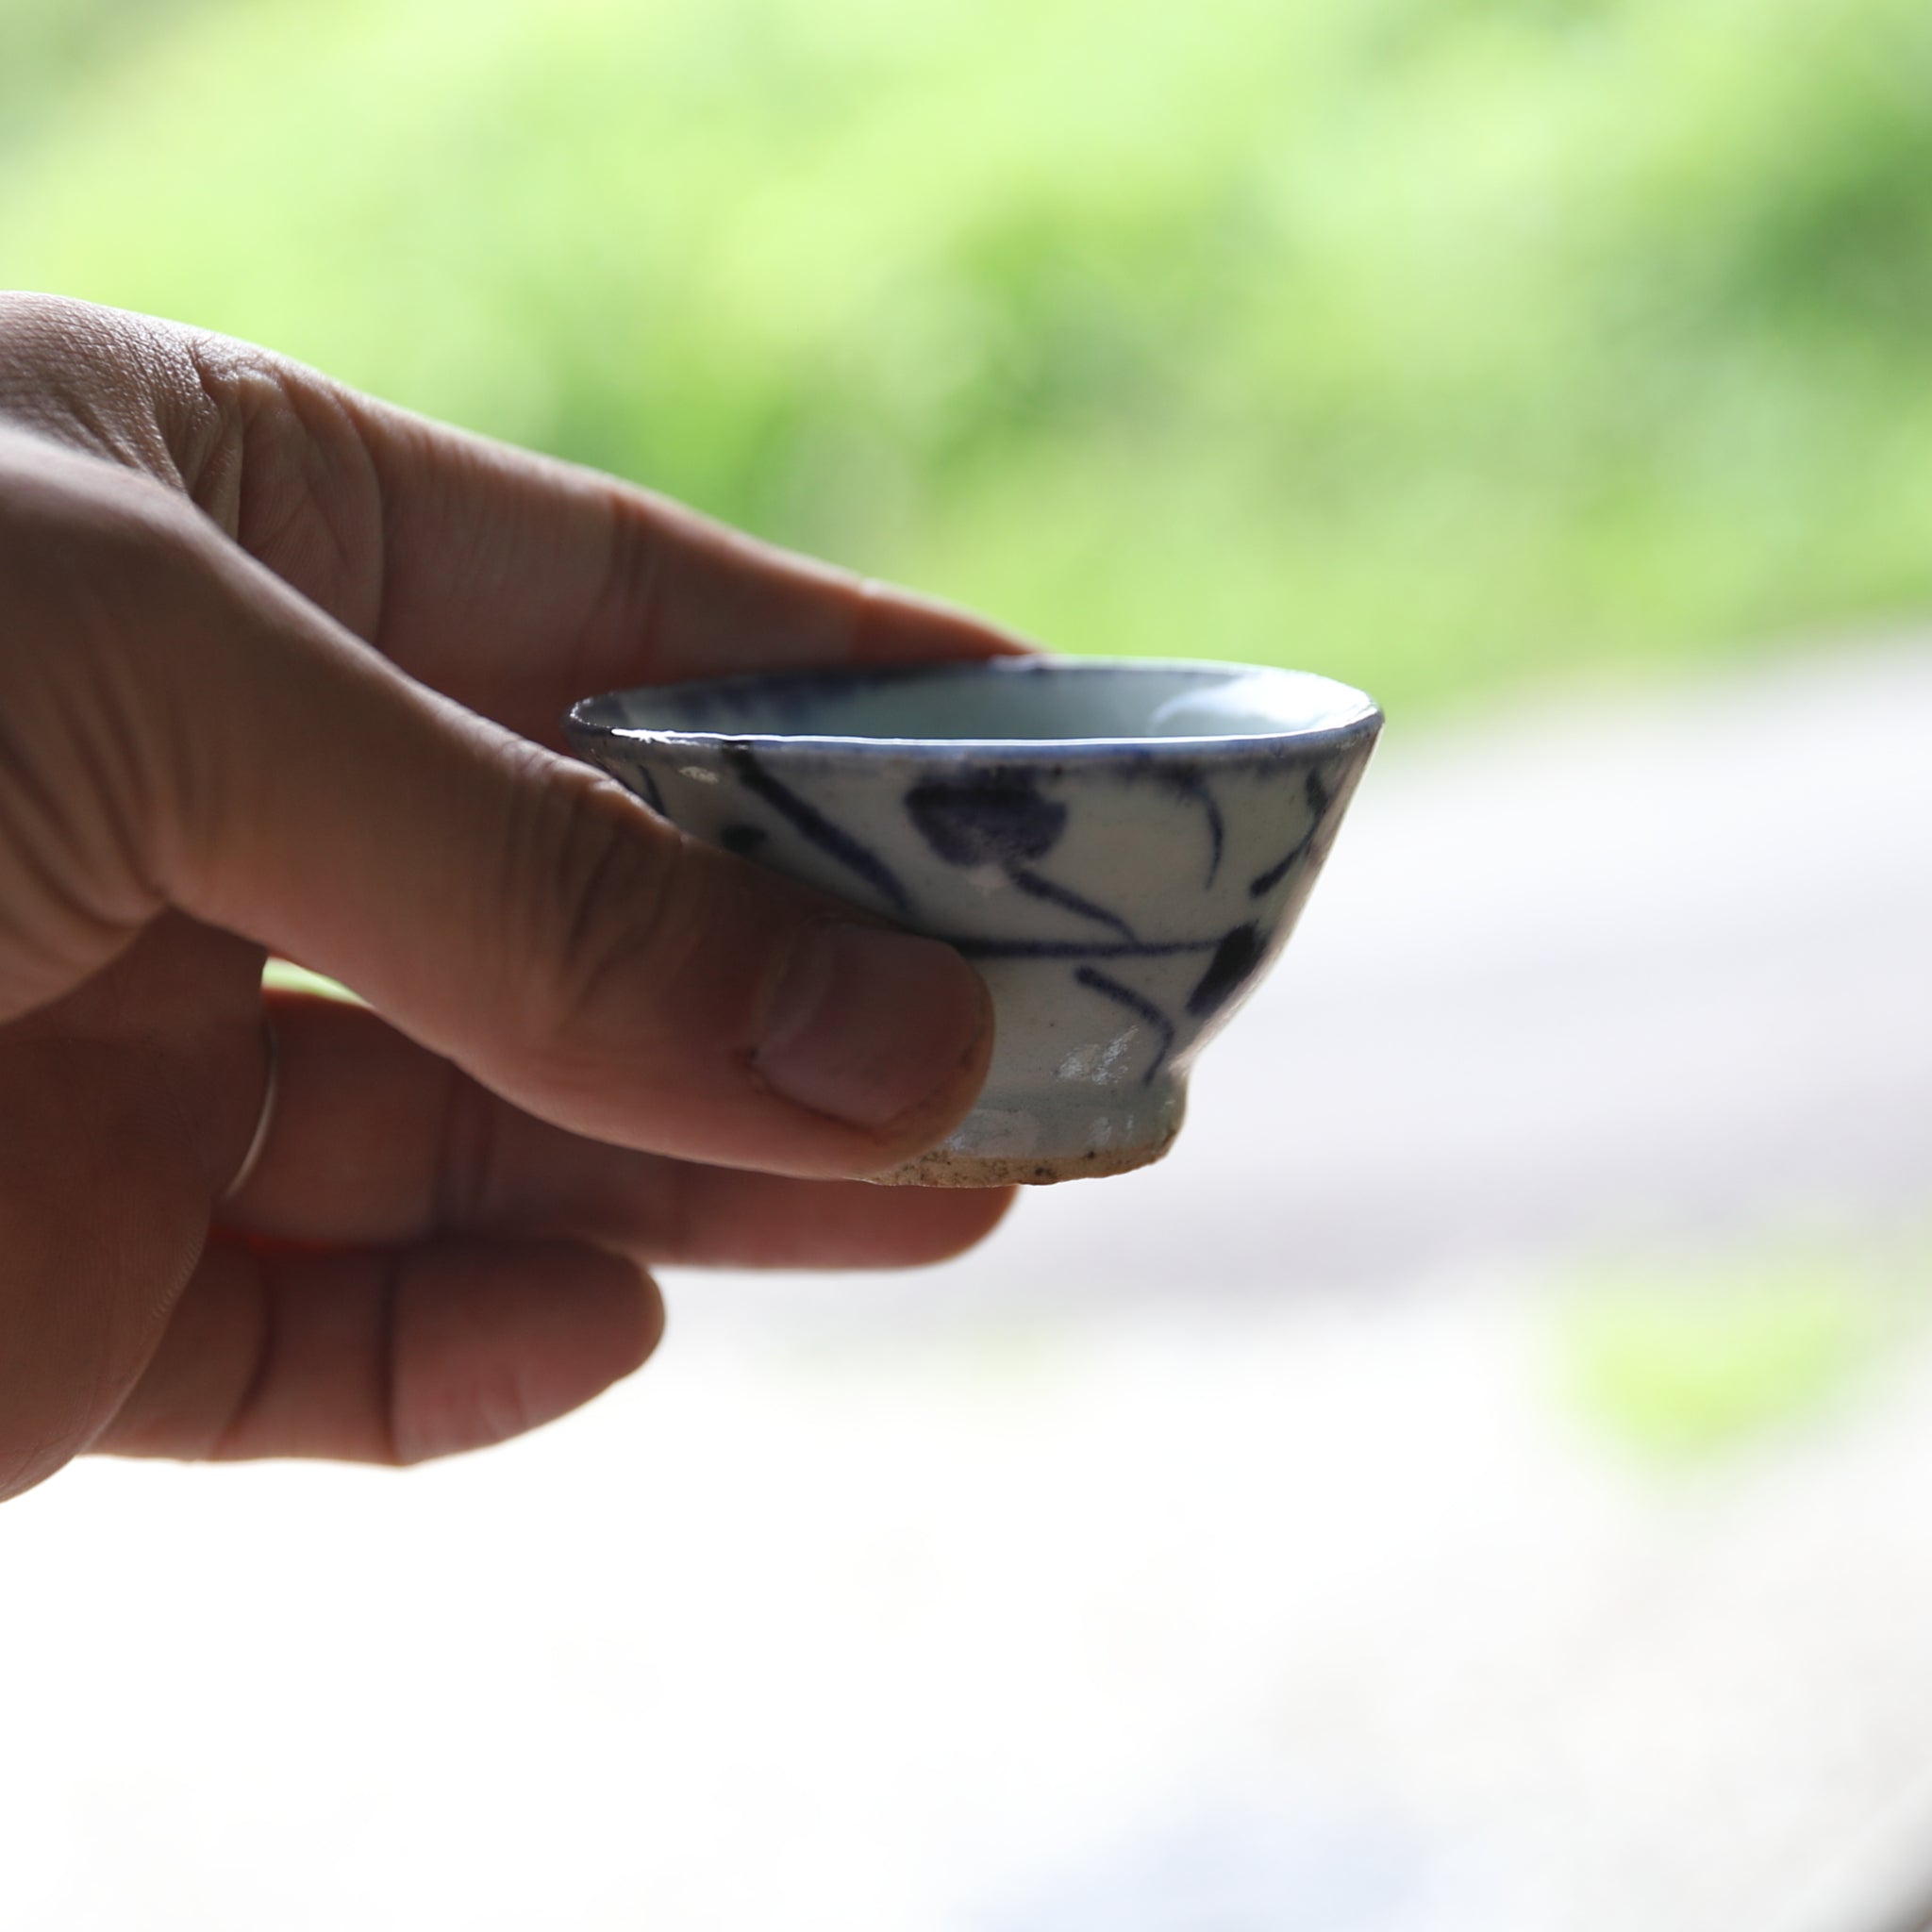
(1360, 717)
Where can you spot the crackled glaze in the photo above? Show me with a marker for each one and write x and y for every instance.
(1121, 848)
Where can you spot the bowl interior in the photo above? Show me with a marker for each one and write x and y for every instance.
(1005, 701)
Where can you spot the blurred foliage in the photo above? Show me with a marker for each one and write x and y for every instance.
(1682, 1364)
(284, 975)
(1429, 342)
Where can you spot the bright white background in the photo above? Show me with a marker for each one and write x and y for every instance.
(1222, 1547)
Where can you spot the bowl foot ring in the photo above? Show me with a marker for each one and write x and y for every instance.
(944, 1168)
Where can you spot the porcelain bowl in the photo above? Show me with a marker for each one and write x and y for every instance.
(1122, 847)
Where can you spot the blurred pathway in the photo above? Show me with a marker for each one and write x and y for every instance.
(1662, 966)
(1192, 1556)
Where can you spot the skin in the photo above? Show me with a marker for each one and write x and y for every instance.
(281, 669)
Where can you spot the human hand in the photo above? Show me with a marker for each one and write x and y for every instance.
(281, 669)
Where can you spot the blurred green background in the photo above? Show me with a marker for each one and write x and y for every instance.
(1435, 343)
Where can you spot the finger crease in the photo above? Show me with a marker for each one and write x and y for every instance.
(590, 897)
(467, 1154)
(625, 614)
(61, 871)
(268, 1335)
(388, 1368)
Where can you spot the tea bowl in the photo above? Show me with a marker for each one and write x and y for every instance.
(1121, 847)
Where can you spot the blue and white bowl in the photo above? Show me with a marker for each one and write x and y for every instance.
(1121, 847)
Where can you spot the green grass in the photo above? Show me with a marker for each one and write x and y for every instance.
(282, 975)
(1680, 1365)
(1437, 343)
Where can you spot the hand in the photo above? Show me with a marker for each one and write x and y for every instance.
(280, 669)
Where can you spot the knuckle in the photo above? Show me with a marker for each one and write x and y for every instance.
(90, 763)
(617, 891)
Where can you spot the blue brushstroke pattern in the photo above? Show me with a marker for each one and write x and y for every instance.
(976, 948)
(1234, 963)
(1001, 818)
(1192, 785)
(648, 786)
(1035, 886)
(832, 840)
(1319, 799)
(1136, 1004)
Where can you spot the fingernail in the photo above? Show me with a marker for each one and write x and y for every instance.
(867, 1023)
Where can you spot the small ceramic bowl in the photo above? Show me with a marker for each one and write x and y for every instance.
(1121, 847)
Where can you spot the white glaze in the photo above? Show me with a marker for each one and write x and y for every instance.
(1122, 861)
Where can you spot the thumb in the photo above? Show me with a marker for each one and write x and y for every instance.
(507, 908)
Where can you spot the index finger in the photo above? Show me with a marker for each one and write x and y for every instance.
(518, 584)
